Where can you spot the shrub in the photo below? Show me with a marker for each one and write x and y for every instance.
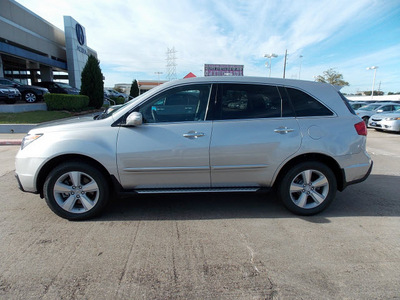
(66, 102)
(134, 92)
(118, 100)
(92, 82)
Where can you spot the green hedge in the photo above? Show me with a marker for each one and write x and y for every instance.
(118, 100)
(66, 102)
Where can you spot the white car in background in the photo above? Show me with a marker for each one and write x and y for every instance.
(116, 94)
(365, 112)
(357, 104)
(386, 122)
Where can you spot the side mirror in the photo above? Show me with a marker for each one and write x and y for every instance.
(134, 119)
(379, 110)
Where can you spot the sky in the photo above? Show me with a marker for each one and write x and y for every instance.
(132, 37)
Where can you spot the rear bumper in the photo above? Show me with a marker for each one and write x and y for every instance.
(347, 183)
(355, 168)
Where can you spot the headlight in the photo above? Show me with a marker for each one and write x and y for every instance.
(392, 119)
(29, 138)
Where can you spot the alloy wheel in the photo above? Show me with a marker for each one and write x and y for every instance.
(309, 189)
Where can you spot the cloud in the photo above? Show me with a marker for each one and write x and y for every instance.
(132, 37)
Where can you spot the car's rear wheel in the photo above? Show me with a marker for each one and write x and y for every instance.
(308, 188)
(30, 97)
(76, 191)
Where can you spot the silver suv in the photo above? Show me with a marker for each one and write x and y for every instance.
(207, 134)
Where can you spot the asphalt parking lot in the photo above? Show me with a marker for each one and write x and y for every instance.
(218, 246)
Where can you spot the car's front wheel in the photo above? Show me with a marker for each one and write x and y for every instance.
(76, 191)
(308, 188)
(30, 97)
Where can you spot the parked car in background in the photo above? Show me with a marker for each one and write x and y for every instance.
(357, 104)
(30, 93)
(301, 138)
(113, 93)
(386, 121)
(58, 87)
(9, 95)
(365, 112)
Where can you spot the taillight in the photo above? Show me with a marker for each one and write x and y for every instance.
(361, 128)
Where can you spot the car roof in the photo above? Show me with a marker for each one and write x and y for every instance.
(246, 79)
(324, 92)
(389, 103)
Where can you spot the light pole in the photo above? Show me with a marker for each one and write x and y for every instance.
(301, 56)
(270, 56)
(373, 82)
(284, 65)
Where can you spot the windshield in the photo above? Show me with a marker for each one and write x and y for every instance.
(64, 85)
(109, 111)
(113, 108)
(369, 107)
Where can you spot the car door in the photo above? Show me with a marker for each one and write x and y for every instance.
(254, 132)
(171, 148)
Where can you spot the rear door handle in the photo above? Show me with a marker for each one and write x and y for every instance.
(283, 130)
(193, 134)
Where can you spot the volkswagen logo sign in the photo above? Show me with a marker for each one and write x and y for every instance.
(79, 34)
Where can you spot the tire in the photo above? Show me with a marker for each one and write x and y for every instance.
(308, 188)
(30, 97)
(76, 191)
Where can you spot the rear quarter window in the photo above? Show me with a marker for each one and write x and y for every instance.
(305, 105)
(347, 103)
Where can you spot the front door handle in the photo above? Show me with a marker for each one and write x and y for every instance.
(193, 134)
(283, 130)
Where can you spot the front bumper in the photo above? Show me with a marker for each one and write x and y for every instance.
(26, 169)
(387, 125)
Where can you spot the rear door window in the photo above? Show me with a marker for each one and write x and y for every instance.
(248, 101)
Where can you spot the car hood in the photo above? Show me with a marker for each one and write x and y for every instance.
(33, 86)
(73, 91)
(68, 123)
(387, 115)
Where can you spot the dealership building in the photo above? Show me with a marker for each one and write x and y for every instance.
(32, 49)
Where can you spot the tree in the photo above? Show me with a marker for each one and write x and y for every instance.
(332, 77)
(92, 82)
(134, 92)
(376, 93)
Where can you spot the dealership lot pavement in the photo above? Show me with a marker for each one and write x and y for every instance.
(219, 246)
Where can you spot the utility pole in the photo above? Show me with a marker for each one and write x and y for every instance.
(284, 65)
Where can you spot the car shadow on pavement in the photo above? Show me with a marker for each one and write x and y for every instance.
(377, 196)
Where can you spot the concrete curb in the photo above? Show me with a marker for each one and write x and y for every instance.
(10, 142)
(16, 128)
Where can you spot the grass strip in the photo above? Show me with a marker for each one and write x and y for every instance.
(33, 117)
